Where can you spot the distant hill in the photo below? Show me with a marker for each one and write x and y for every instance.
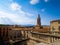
(45, 25)
(27, 25)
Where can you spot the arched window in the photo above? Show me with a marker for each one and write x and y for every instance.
(53, 29)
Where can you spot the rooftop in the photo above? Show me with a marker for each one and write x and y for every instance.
(55, 21)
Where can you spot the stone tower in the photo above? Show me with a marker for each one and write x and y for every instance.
(38, 26)
(38, 20)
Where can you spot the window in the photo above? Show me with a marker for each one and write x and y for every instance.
(53, 29)
(59, 29)
(59, 22)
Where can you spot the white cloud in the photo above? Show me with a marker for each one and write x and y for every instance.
(15, 15)
(22, 18)
(18, 8)
(15, 6)
(34, 2)
(28, 14)
(6, 17)
(46, 0)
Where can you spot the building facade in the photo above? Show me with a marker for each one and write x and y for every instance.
(55, 26)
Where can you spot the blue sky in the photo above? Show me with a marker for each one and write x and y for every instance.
(24, 12)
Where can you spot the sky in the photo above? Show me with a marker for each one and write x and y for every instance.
(24, 12)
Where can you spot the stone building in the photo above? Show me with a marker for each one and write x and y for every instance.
(55, 26)
(7, 33)
(4, 31)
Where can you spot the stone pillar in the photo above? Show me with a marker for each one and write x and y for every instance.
(27, 34)
(24, 34)
(5, 34)
(32, 34)
(16, 35)
(57, 38)
(1, 31)
(52, 39)
(49, 39)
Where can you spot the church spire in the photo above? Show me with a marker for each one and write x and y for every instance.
(38, 20)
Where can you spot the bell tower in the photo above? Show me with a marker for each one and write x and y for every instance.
(38, 20)
(38, 26)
